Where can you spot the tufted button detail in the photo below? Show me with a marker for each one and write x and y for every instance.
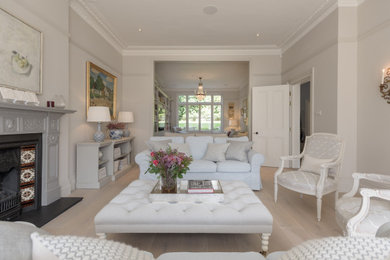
(241, 211)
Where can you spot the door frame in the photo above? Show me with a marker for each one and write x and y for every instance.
(296, 108)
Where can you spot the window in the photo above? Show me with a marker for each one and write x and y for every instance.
(204, 115)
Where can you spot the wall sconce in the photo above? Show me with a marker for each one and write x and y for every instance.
(384, 87)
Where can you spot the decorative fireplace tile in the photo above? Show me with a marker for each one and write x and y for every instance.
(27, 175)
(27, 155)
(27, 194)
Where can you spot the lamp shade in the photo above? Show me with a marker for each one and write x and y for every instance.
(98, 114)
(233, 122)
(125, 117)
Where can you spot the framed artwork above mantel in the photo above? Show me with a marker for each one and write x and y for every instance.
(101, 88)
(20, 54)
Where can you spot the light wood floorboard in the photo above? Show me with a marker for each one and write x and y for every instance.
(294, 221)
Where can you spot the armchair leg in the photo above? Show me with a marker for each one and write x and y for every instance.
(276, 192)
(319, 204)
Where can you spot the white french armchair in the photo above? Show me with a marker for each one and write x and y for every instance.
(322, 157)
(364, 215)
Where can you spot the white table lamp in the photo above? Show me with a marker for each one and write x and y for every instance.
(126, 117)
(98, 114)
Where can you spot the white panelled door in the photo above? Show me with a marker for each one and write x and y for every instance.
(271, 122)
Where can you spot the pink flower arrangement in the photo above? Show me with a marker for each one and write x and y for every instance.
(169, 162)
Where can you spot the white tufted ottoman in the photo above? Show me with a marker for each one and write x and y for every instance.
(132, 212)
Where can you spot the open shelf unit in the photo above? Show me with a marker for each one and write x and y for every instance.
(162, 110)
(94, 170)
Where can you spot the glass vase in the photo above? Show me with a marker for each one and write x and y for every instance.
(168, 183)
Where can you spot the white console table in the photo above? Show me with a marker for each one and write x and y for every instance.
(115, 164)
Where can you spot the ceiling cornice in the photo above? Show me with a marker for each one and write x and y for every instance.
(318, 16)
(350, 3)
(202, 50)
(90, 16)
(82, 9)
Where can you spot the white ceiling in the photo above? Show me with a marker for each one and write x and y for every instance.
(183, 23)
(226, 75)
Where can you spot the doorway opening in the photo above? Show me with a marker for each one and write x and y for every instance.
(305, 113)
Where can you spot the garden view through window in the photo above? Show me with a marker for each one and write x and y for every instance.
(204, 115)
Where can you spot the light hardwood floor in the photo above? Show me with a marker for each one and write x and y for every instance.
(294, 221)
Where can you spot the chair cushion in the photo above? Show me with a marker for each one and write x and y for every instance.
(379, 213)
(233, 166)
(202, 166)
(383, 231)
(305, 182)
(311, 164)
(198, 145)
(216, 152)
(341, 248)
(16, 244)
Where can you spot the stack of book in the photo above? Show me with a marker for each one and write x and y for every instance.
(200, 186)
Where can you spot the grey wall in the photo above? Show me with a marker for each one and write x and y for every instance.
(86, 45)
(137, 95)
(372, 111)
(51, 18)
(318, 51)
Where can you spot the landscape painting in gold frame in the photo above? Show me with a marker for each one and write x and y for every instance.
(101, 88)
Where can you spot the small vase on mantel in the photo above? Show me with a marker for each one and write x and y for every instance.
(168, 183)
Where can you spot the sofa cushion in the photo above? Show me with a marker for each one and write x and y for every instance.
(216, 152)
(198, 145)
(233, 166)
(158, 145)
(48, 247)
(181, 148)
(172, 139)
(238, 150)
(202, 166)
(223, 140)
(16, 244)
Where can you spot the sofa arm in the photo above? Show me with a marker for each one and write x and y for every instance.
(255, 160)
(142, 159)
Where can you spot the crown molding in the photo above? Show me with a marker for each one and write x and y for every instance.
(317, 17)
(90, 17)
(208, 90)
(350, 3)
(201, 51)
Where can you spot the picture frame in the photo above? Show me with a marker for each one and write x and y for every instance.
(21, 51)
(101, 88)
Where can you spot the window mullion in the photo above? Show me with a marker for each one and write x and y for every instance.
(199, 117)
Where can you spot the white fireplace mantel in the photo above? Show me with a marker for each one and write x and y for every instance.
(24, 119)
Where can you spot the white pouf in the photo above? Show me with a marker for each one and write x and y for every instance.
(132, 212)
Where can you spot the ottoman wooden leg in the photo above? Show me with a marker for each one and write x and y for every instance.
(101, 235)
(264, 243)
